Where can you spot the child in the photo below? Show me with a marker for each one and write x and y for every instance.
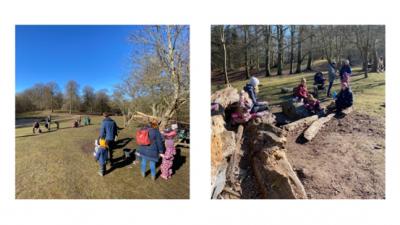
(168, 157)
(312, 104)
(36, 127)
(101, 154)
(243, 112)
(301, 92)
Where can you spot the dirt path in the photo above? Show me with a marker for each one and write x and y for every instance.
(345, 160)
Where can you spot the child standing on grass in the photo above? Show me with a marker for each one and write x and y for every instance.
(102, 156)
(168, 158)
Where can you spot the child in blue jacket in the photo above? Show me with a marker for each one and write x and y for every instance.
(101, 154)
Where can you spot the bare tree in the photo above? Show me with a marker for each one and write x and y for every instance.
(280, 37)
(310, 48)
(246, 46)
(170, 45)
(267, 37)
(299, 49)
(72, 94)
(223, 41)
(88, 98)
(292, 33)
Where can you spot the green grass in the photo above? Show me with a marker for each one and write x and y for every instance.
(369, 93)
(60, 165)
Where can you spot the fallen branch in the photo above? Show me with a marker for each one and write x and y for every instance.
(305, 122)
(313, 130)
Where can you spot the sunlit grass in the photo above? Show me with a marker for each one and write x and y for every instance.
(60, 164)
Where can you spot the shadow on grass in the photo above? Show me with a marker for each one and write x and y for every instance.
(122, 143)
(122, 161)
(179, 160)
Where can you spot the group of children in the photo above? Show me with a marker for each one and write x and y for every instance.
(47, 125)
(153, 145)
(342, 100)
(77, 123)
(248, 107)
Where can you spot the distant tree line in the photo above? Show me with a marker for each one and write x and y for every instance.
(49, 96)
(158, 85)
(260, 48)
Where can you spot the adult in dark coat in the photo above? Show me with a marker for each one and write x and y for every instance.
(152, 152)
(109, 131)
(344, 98)
(331, 76)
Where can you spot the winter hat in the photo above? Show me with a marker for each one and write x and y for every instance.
(254, 81)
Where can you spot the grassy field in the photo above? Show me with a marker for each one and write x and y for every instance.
(60, 165)
(369, 93)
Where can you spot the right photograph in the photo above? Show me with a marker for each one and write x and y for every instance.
(298, 111)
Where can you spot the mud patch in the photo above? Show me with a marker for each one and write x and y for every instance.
(345, 160)
(87, 147)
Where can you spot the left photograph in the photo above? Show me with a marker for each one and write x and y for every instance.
(102, 112)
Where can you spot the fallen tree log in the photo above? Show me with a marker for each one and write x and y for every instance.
(233, 168)
(347, 111)
(305, 122)
(145, 118)
(275, 177)
(223, 142)
(225, 97)
(286, 90)
(313, 129)
(316, 126)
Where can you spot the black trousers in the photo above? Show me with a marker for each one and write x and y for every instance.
(111, 145)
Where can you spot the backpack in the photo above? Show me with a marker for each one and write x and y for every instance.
(142, 136)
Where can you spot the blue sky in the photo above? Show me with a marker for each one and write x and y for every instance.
(98, 56)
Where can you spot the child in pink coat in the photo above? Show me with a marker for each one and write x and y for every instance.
(170, 151)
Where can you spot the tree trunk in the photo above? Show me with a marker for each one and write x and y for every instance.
(299, 59)
(309, 62)
(224, 46)
(246, 56)
(70, 105)
(280, 48)
(267, 50)
(51, 104)
(292, 30)
(375, 58)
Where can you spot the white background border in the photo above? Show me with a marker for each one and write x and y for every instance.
(199, 210)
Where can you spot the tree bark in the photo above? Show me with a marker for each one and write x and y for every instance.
(292, 31)
(246, 56)
(309, 62)
(375, 58)
(299, 58)
(224, 46)
(267, 36)
(280, 48)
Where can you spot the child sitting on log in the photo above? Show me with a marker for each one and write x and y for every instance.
(312, 104)
(243, 112)
(252, 89)
(301, 92)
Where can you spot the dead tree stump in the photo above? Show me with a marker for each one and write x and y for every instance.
(274, 175)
